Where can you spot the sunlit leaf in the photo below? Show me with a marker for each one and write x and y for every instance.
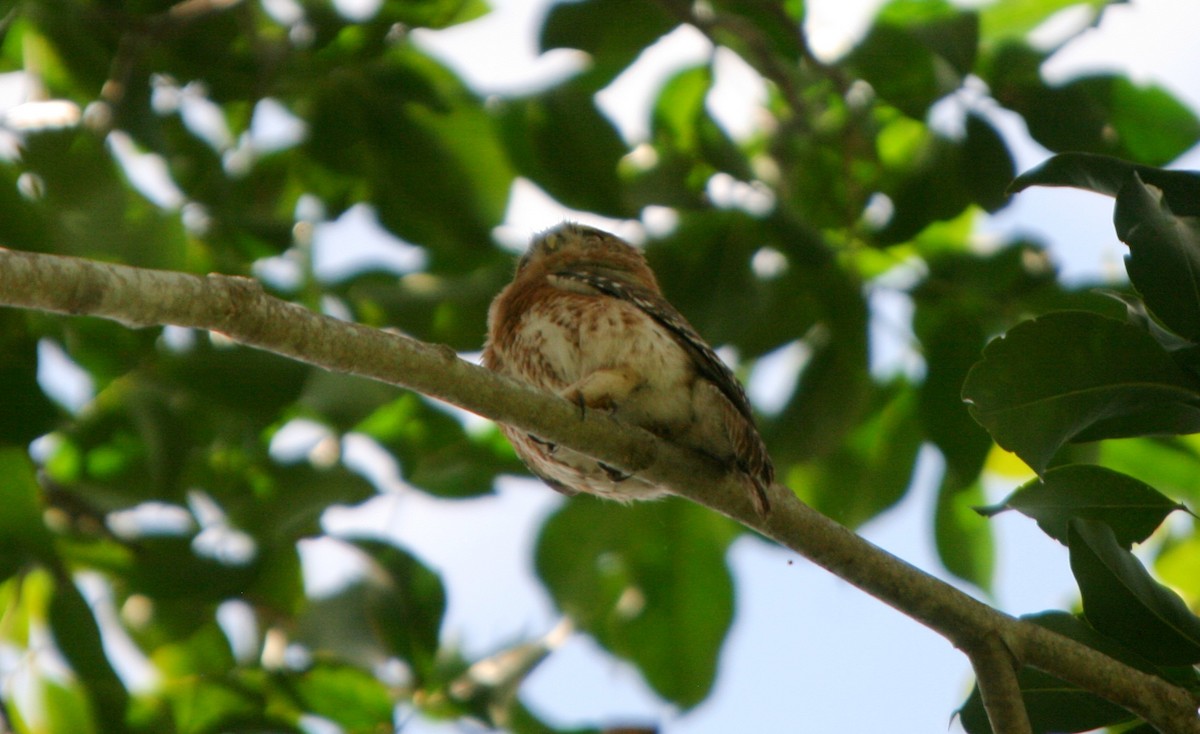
(617, 571)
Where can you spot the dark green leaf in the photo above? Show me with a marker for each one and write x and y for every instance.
(405, 605)
(649, 582)
(917, 52)
(1164, 260)
(988, 165)
(778, 27)
(561, 141)
(1052, 704)
(435, 452)
(871, 469)
(23, 533)
(429, 155)
(939, 187)
(351, 697)
(1095, 114)
(964, 541)
(1077, 376)
(1122, 600)
(952, 341)
(287, 501)
(444, 308)
(78, 637)
(1131, 508)
(1106, 175)
(614, 32)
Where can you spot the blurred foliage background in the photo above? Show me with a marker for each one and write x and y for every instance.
(217, 135)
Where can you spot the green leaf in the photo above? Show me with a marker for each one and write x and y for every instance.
(405, 605)
(78, 638)
(871, 469)
(952, 340)
(964, 541)
(1168, 463)
(1053, 705)
(778, 27)
(1076, 376)
(351, 697)
(1122, 600)
(1013, 19)
(561, 141)
(1131, 508)
(23, 533)
(437, 14)
(624, 576)
(1164, 260)
(446, 308)
(916, 53)
(988, 165)
(65, 709)
(427, 153)
(1107, 175)
(25, 411)
(1095, 114)
(434, 451)
(613, 32)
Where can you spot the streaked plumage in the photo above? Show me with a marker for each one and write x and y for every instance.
(584, 318)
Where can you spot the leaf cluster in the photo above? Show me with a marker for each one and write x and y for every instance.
(1076, 376)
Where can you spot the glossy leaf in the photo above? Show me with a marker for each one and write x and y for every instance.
(619, 573)
(1164, 260)
(1077, 377)
(1131, 508)
(1121, 599)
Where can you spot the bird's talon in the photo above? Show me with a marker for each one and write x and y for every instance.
(549, 446)
(614, 475)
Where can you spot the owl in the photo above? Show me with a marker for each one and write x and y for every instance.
(584, 318)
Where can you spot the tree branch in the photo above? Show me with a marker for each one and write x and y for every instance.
(996, 675)
(240, 309)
